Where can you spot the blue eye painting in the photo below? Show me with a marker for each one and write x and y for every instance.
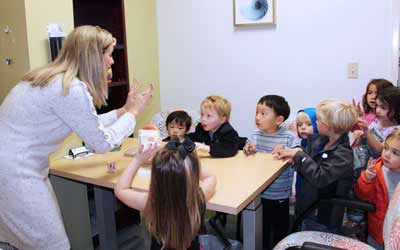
(254, 9)
(254, 12)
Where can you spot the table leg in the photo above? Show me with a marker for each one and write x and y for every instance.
(105, 209)
(252, 226)
(73, 202)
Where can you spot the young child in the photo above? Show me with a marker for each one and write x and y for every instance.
(388, 119)
(377, 184)
(214, 129)
(372, 91)
(271, 112)
(306, 124)
(174, 207)
(326, 164)
(178, 124)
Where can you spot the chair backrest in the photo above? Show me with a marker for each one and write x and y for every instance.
(159, 120)
(391, 227)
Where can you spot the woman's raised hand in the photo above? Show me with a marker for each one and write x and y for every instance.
(136, 102)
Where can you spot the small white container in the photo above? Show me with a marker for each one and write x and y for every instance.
(148, 136)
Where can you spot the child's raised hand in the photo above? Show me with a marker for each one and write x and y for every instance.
(145, 155)
(249, 149)
(357, 106)
(370, 172)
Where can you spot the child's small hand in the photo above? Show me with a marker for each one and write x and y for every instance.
(202, 147)
(358, 134)
(147, 154)
(287, 154)
(278, 148)
(370, 172)
(363, 124)
(357, 106)
(249, 149)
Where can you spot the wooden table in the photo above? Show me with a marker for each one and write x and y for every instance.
(240, 180)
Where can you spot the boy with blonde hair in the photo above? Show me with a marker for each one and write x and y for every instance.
(326, 164)
(214, 129)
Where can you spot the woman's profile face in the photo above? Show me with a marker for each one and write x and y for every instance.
(107, 57)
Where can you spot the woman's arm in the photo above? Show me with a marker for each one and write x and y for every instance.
(76, 110)
(133, 198)
(208, 183)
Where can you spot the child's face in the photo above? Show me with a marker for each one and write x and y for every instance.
(382, 110)
(175, 129)
(210, 119)
(304, 125)
(391, 154)
(371, 96)
(266, 119)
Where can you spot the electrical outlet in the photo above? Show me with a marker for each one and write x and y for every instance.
(352, 71)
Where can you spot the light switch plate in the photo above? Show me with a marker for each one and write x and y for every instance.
(352, 71)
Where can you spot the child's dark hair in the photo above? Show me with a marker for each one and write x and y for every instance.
(278, 104)
(172, 212)
(391, 96)
(380, 84)
(180, 117)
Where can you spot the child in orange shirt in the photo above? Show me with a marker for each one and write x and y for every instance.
(377, 184)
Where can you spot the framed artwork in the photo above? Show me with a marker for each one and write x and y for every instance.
(253, 12)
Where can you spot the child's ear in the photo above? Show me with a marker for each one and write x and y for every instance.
(224, 119)
(279, 120)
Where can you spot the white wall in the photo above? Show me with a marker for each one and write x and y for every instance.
(303, 58)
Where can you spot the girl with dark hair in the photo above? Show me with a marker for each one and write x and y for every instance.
(174, 207)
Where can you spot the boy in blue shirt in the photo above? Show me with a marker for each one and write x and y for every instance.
(271, 113)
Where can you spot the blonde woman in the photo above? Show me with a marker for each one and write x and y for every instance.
(37, 115)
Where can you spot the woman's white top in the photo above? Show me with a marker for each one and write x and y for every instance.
(34, 121)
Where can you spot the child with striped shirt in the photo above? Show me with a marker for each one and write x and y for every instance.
(271, 113)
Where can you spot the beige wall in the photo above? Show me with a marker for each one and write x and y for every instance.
(142, 42)
(38, 15)
(27, 43)
(12, 45)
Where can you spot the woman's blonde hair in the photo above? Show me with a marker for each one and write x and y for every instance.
(340, 115)
(219, 103)
(172, 213)
(80, 57)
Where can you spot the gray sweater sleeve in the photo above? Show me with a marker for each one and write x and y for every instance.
(76, 109)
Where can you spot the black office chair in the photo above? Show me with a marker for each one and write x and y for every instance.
(7, 246)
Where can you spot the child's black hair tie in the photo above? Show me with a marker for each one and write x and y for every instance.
(184, 148)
